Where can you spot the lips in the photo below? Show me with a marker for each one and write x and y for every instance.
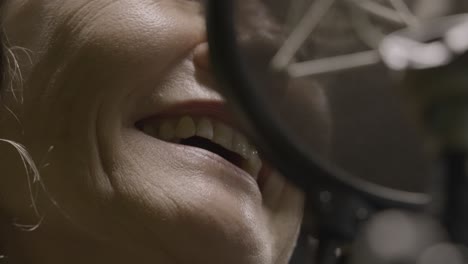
(203, 126)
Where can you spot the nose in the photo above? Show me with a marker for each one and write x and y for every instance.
(204, 70)
(201, 57)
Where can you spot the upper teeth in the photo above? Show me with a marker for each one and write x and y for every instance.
(175, 129)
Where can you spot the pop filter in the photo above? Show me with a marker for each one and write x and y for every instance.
(273, 59)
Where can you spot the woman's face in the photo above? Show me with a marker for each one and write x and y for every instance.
(93, 75)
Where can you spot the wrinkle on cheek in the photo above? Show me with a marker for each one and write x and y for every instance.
(122, 37)
(148, 29)
(119, 40)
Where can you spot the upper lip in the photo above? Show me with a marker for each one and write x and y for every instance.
(214, 109)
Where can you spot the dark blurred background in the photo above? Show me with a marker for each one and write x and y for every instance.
(374, 136)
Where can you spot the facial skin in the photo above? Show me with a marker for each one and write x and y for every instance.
(109, 193)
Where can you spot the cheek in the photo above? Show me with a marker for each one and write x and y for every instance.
(87, 61)
(93, 63)
(121, 40)
(137, 33)
(135, 36)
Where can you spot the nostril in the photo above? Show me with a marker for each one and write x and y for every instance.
(202, 56)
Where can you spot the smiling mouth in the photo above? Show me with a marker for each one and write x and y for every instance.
(208, 134)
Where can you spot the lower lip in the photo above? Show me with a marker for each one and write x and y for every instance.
(228, 166)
